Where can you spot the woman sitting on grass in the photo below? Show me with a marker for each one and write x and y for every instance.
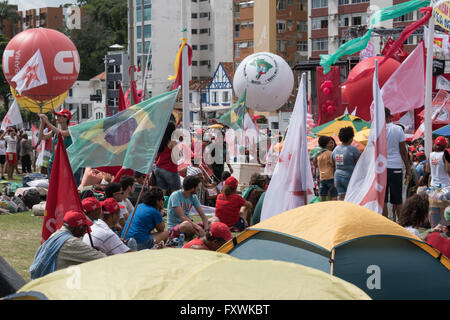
(231, 208)
(414, 214)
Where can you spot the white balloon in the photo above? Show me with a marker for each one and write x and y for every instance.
(268, 79)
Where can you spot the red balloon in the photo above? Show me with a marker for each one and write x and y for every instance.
(359, 94)
(326, 91)
(53, 69)
(331, 109)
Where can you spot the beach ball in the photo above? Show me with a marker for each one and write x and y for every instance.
(268, 80)
(41, 63)
(359, 93)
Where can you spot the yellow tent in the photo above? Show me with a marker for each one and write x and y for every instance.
(362, 136)
(187, 274)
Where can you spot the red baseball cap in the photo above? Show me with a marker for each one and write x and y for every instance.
(232, 182)
(64, 112)
(220, 230)
(440, 141)
(75, 218)
(420, 153)
(90, 204)
(110, 206)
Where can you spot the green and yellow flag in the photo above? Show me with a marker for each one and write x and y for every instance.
(234, 118)
(130, 138)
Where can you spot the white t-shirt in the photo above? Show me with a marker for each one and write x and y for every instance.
(413, 231)
(2, 147)
(105, 239)
(439, 175)
(394, 135)
(126, 207)
(12, 144)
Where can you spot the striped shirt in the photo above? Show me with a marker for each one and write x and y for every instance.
(105, 239)
(193, 171)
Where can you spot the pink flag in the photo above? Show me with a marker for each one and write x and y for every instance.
(405, 88)
(367, 185)
(292, 184)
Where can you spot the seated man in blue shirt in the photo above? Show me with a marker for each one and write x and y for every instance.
(178, 208)
(146, 219)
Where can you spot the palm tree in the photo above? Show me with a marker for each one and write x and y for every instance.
(9, 13)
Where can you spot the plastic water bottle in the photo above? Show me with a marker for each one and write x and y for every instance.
(181, 240)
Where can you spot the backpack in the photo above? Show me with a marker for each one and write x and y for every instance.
(21, 207)
(31, 197)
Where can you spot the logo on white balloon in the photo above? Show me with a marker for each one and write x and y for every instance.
(261, 69)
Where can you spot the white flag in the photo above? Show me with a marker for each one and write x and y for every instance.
(13, 117)
(32, 74)
(367, 185)
(292, 181)
(442, 83)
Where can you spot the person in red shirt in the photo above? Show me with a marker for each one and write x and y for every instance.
(439, 237)
(215, 237)
(231, 208)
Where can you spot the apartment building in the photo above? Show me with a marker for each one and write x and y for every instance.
(289, 29)
(158, 30)
(334, 22)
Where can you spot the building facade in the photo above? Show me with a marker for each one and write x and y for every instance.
(158, 30)
(116, 73)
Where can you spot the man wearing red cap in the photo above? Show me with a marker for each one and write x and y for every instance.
(438, 166)
(215, 237)
(64, 248)
(103, 237)
(231, 208)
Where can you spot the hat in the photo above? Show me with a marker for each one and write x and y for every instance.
(220, 230)
(75, 218)
(64, 112)
(232, 182)
(440, 141)
(90, 204)
(110, 206)
(420, 154)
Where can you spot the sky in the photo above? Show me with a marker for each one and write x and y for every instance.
(34, 4)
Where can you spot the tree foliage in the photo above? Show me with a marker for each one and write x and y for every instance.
(4, 85)
(105, 24)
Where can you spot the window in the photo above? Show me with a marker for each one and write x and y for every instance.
(147, 14)
(139, 47)
(320, 44)
(319, 4)
(290, 24)
(302, 45)
(117, 68)
(70, 92)
(205, 62)
(243, 44)
(281, 4)
(281, 27)
(204, 47)
(204, 14)
(319, 23)
(139, 32)
(194, 63)
(344, 2)
(225, 96)
(194, 47)
(410, 40)
(243, 25)
(281, 45)
(236, 30)
(406, 17)
(301, 5)
(99, 115)
(194, 16)
(148, 31)
(111, 85)
(356, 21)
(290, 2)
(84, 111)
(290, 43)
(359, 1)
(236, 49)
(250, 24)
(194, 31)
(250, 44)
(344, 21)
(302, 26)
(214, 97)
(204, 30)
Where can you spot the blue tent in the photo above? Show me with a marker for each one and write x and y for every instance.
(443, 131)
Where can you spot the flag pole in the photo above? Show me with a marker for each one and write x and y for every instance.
(428, 88)
(184, 79)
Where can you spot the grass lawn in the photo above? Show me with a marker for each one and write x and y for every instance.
(20, 236)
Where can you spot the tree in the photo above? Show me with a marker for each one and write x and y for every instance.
(9, 13)
(4, 85)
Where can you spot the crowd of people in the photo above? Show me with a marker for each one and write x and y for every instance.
(132, 213)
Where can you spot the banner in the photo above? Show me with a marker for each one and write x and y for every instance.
(441, 13)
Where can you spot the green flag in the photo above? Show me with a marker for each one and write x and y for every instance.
(358, 44)
(234, 118)
(130, 138)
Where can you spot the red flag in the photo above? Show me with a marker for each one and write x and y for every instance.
(123, 172)
(122, 105)
(62, 192)
(34, 135)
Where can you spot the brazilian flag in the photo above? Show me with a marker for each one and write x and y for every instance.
(234, 118)
(130, 138)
